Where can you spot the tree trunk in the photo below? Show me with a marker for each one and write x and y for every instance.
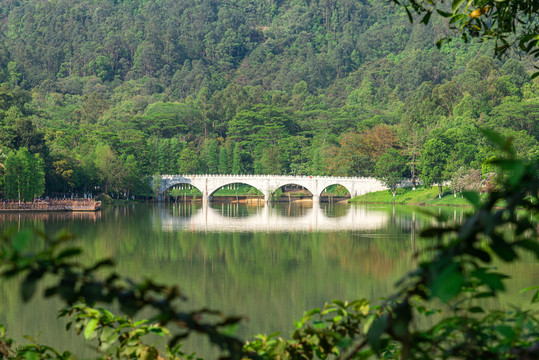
(439, 191)
(413, 171)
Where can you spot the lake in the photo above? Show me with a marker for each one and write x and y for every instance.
(269, 263)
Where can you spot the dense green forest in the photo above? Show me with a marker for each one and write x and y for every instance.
(98, 95)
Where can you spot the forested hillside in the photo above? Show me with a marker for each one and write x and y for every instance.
(106, 92)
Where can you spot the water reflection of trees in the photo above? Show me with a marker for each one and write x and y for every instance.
(53, 216)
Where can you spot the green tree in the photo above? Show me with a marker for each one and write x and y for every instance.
(168, 119)
(20, 131)
(62, 172)
(102, 67)
(411, 138)
(188, 162)
(162, 156)
(24, 175)
(223, 161)
(390, 170)
(264, 125)
(211, 155)
(434, 160)
(236, 159)
(132, 181)
(517, 115)
(463, 141)
(109, 168)
(269, 161)
(363, 96)
(14, 74)
(176, 147)
(156, 184)
(85, 173)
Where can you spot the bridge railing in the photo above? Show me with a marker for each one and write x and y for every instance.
(249, 176)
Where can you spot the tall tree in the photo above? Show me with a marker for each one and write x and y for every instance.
(211, 155)
(434, 160)
(188, 162)
(390, 170)
(223, 161)
(236, 159)
(109, 167)
(24, 175)
(132, 181)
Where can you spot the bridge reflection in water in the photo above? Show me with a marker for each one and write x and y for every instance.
(225, 218)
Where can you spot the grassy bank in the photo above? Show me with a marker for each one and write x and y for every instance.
(421, 195)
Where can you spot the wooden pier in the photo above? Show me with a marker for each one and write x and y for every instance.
(52, 205)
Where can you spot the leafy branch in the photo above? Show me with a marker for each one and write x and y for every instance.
(75, 281)
(498, 20)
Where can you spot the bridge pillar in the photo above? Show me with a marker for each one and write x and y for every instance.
(206, 198)
(316, 199)
(267, 192)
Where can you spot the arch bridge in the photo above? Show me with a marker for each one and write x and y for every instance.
(268, 184)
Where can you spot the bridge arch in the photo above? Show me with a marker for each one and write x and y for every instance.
(297, 183)
(215, 188)
(171, 186)
(179, 182)
(336, 183)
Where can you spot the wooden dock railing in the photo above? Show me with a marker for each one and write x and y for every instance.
(52, 205)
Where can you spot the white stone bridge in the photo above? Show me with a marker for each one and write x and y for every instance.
(268, 184)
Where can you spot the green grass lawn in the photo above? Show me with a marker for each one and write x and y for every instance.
(240, 191)
(421, 195)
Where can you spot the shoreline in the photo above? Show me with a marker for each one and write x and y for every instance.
(405, 203)
(420, 196)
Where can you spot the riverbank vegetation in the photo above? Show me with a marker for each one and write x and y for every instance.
(111, 93)
(421, 195)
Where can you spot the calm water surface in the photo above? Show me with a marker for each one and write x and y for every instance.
(269, 263)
